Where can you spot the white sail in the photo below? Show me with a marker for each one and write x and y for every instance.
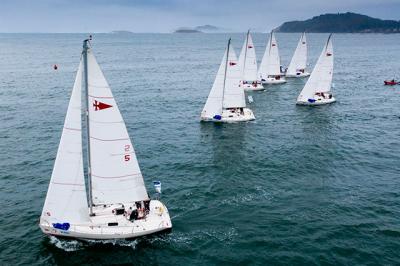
(115, 172)
(321, 77)
(299, 59)
(232, 95)
(66, 199)
(271, 62)
(213, 104)
(248, 60)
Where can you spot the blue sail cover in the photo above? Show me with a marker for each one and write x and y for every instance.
(217, 117)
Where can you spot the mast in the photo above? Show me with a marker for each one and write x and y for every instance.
(226, 68)
(327, 42)
(245, 53)
(270, 42)
(86, 82)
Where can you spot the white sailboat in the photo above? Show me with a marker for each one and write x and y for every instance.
(270, 67)
(117, 205)
(226, 101)
(317, 90)
(298, 64)
(248, 66)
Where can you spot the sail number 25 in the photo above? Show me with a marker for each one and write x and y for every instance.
(127, 157)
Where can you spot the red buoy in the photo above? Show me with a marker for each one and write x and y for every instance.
(55, 67)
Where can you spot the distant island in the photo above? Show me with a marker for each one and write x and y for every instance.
(342, 23)
(121, 32)
(200, 29)
(183, 30)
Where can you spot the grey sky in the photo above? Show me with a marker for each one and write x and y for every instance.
(167, 15)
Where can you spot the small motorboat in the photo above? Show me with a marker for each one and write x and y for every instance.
(391, 82)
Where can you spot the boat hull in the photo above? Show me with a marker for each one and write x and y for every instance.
(250, 87)
(156, 222)
(391, 83)
(298, 75)
(273, 81)
(232, 117)
(319, 101)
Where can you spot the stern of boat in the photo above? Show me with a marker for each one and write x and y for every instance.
(273, 81)
(318, 101)
(228, 116)
(298, 75)
(258, 87)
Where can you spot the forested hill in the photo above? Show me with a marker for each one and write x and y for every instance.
(342, 22)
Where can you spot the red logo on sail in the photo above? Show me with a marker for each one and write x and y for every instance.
(303, 42)
(250, 46)
(273, 44)
(100, 106)
(328, 54)
(232, 63)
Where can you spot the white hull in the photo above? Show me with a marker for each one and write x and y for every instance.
(230, 117)
(157, 220)
(298, 75)
(251, 87)
(273, 81)
(318, 101)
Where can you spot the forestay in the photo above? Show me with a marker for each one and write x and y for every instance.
(271, 62)
(299, 59)
(115, 172)
(321, 77)
(248, 60)
(66, 199)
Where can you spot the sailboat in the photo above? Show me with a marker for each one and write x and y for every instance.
(248, 66)
(270, 67)
(226, 101)
(317, 90)
(298, 64)
(116, 204)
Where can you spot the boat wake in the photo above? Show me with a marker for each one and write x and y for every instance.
(258, 194)
(66, 245)
(189, 239)
(70, 245)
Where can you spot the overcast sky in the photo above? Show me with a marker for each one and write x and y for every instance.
(167, 15)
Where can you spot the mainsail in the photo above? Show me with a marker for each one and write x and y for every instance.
(66, 199)
(115, 172)
(247, 60)
(271, 62)
(321, 77)
(225, 92)
(299, 59)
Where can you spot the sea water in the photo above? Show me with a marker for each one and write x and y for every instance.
(299, 185)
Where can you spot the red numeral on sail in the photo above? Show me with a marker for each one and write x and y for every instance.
(127, 157)
(127, 147)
